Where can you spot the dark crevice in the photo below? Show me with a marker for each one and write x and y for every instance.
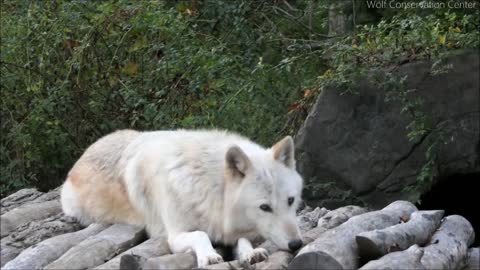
(456, 194)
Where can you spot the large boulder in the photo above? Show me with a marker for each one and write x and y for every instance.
(356, 145)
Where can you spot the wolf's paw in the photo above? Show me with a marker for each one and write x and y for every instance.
(254, 256)
(208, 259)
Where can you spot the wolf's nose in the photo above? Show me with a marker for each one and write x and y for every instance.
(295, 244)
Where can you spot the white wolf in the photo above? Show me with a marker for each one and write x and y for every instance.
(193, 187)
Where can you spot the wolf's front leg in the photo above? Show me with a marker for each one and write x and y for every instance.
(197, 241)
(246, 254)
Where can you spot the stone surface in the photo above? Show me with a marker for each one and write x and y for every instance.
(358, 143)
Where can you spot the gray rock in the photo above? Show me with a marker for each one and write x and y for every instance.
(359, 142)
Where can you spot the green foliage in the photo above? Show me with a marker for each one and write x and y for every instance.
(73, 71)
(403, 38)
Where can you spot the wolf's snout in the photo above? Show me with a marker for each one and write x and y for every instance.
(294, 245)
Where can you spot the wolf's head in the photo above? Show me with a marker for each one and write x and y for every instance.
(264, 191)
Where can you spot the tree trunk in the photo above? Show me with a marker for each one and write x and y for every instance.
(331, 220)
(336, 248)
(277, 260)
(309, 220)
(418, 230)
(473, 259)
(153, 247)
(96, 249)
(407, 259)
(166, 262)
(36, 257)
(231, 265)
(18, 198)
(24, 214)
(448, 247)
(34, 232)
(172, 261)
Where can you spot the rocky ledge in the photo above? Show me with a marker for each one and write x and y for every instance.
(35, 234)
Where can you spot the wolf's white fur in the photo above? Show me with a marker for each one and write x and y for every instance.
(193, 186)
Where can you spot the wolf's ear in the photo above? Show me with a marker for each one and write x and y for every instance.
(237, 161)
(284, 152)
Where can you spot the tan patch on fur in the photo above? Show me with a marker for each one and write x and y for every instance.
(276, 151)
(80, 174)
(291, 230)
(102, 198)
(73, 178)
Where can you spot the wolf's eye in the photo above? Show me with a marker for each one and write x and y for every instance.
(290, 200)
(266, 208)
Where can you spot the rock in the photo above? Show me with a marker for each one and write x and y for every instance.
(359, 142)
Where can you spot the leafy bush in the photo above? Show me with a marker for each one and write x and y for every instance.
(73, 71)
